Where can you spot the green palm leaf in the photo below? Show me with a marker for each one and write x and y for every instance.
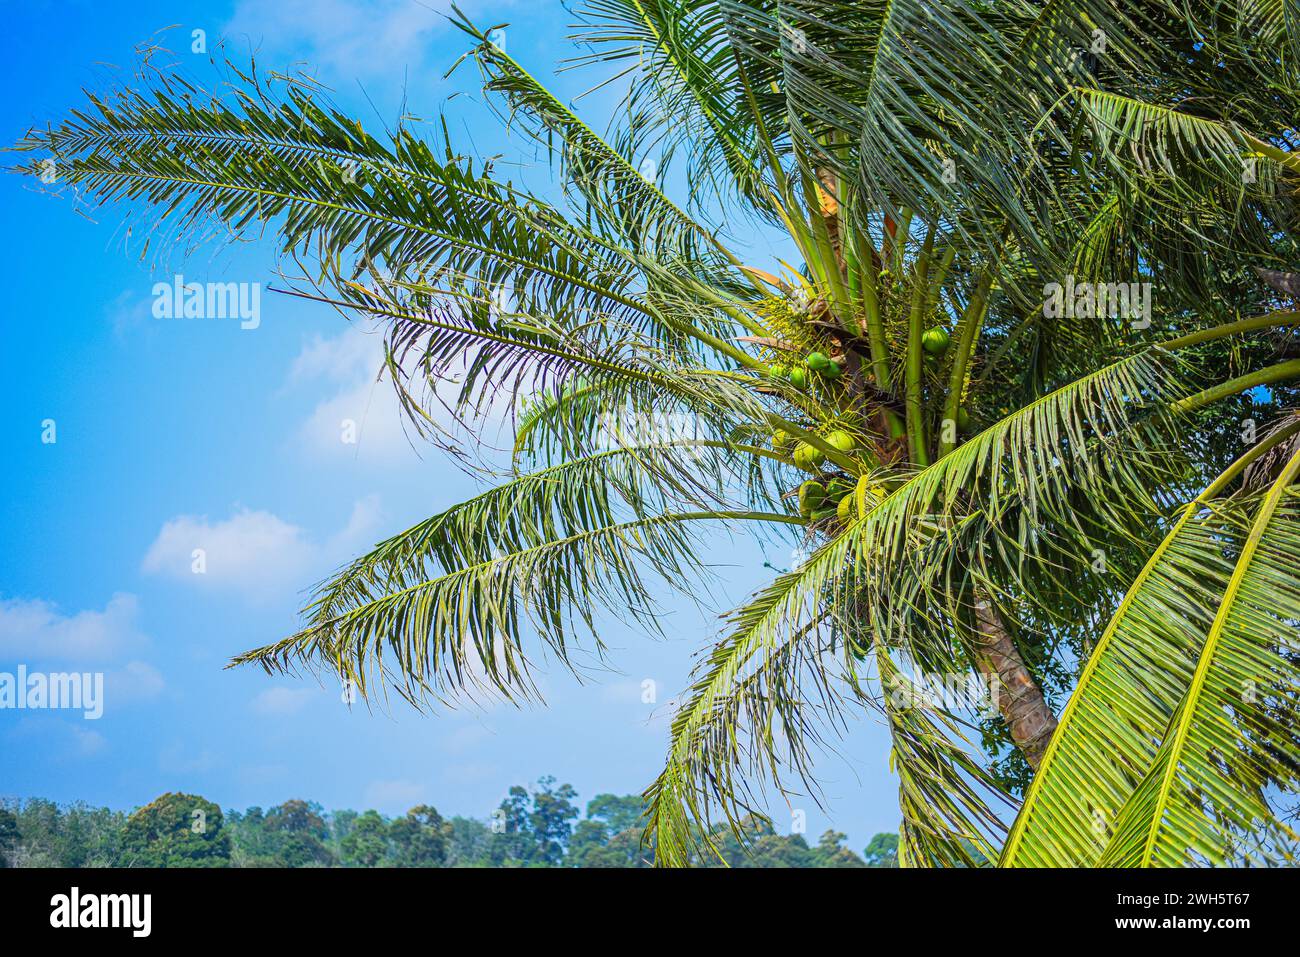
(1134, 685)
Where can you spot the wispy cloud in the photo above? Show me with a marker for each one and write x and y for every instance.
(281, 702)
(377, 41)
(359, 419)
(134, 681)
(59, 737)
(36, 630)
(394, 797)
(255, 553)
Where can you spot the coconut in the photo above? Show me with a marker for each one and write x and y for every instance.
(807, 457)
(798, 377)
(841, 441)
(935, 340)
(838, 488)
(817, 361)
(811, 497)
(844, 511)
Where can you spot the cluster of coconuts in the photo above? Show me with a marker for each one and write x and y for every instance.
(838, 497)
(800, 374)
(808, 457)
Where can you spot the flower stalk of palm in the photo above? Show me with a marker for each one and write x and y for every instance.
(960, 461)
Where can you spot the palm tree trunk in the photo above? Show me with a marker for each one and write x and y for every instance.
(1019, 698)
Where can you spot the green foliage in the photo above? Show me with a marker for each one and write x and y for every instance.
(934, 167)
(367, 843)
(537, 827)
(176, 830)
(9, 837)
(882, 851)
(419, 838)
(75, 836)
(293, 834)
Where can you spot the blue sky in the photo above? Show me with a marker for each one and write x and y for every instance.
(171, 434)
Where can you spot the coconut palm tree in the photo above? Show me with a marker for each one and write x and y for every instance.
(1040, 273)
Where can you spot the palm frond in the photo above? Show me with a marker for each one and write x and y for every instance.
(1133, 686)
(615, 190)
(745, 689)
(403, 624)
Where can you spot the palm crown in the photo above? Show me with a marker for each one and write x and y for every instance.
(987, 483)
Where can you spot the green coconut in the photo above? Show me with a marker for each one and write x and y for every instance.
(841, 441)
(812, 495)
(807, 457)
(935, 340)
(817, 361)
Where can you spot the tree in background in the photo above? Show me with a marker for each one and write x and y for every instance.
(340, 826)
(469, 843)
(533, 828)
(8, 837)
(297, 834)
(610, 835)
(551, 820)
(176, 830)
(420, 838)
(293, 834)
(77, 835)
(882, 851)
(831, 852)
(367, 842)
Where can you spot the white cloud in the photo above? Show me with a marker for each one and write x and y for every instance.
(250, 550)
(178, 758)
(135, 681)
(465, 775)
(281, 701)
(253, 552)
(342, 39)
(128, 312)
(626, 691)
(87, 742)
(357, 351)
(360, 418)
(59, 738)
(36, 630)
(470, 737)
(393, 797)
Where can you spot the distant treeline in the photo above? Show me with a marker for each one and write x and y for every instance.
(534, 827)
